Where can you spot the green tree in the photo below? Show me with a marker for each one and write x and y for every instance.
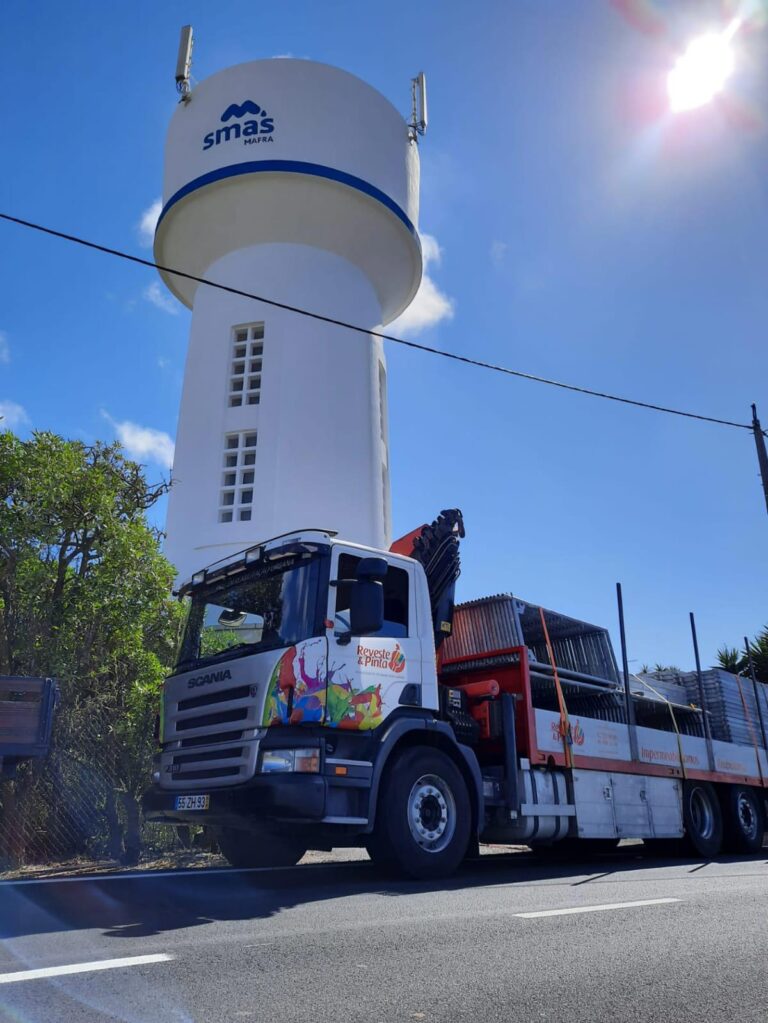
(735, 660)
(85, 597)
(731, 659)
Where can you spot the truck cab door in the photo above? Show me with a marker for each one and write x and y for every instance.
(368, 674)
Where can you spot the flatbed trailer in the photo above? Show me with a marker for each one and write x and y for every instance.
(624, 780)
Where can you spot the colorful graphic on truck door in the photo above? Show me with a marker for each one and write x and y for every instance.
(303, 689)
(379, 670)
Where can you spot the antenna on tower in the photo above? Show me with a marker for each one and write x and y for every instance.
(184, 63)
(418, 123)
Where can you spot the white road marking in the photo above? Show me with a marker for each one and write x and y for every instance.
(99, 964)
(594, 909)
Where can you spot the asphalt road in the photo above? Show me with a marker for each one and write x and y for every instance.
(339, 943)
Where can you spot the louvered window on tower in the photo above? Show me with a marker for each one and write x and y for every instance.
(236, 495)
(245, 366)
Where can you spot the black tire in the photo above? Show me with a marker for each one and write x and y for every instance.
(744, 819)
(473, 848)
(702, 819)
(259, 848)
(423, 817)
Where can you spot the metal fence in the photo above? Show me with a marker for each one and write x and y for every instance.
(75, 802)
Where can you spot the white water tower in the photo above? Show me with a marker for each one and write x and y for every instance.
(298, 182)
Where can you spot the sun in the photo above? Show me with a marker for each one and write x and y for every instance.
(701, 72)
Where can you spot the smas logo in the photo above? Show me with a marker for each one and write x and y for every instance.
(257, 128)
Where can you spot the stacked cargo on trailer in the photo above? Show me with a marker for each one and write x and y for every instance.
(737, 709)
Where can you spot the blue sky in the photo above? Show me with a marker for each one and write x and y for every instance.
(580, 232)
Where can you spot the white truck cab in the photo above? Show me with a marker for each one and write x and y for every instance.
(302, 658)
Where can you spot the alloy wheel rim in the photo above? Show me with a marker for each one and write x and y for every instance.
(431, 813)
(746, 814)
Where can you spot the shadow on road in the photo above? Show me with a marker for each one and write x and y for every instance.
(146, 906)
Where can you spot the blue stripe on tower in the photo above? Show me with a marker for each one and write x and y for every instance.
(290, 167)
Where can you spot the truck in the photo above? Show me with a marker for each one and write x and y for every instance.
(328, 694)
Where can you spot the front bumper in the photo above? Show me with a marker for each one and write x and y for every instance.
(297, 797)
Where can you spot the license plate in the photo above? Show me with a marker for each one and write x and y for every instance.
(193, 802)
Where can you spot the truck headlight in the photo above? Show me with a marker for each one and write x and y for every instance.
(301, 761)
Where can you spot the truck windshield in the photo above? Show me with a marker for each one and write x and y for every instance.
(272, 604)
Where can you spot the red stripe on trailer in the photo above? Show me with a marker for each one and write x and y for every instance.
(727, 779)
(640, 767)
(615, 766)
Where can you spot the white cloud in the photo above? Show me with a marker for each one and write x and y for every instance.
(430, 305)
(430, 249)
(143, 443)
(162, 362)
(155, 294)
(12, 416)
(498, 251)
(148, 222)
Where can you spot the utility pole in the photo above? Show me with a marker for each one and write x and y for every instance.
(762, 454)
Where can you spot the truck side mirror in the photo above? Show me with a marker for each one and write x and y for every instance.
(372, 568)
(366, 610)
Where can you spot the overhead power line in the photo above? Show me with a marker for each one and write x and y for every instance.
(454, 356)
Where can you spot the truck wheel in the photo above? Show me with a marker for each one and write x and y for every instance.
(258, 848)
(423, 818)
(744, 820)
(702, 818)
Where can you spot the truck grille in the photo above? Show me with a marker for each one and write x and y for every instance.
(205, 720)
(206, 740)
(204, 715)
(210, 729)
(221, 765)
(241, 693)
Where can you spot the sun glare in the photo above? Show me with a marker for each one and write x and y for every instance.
(701, 72)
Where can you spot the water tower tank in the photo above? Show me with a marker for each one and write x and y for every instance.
(297, 182)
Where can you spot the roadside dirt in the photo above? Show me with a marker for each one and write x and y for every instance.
(192, 860)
